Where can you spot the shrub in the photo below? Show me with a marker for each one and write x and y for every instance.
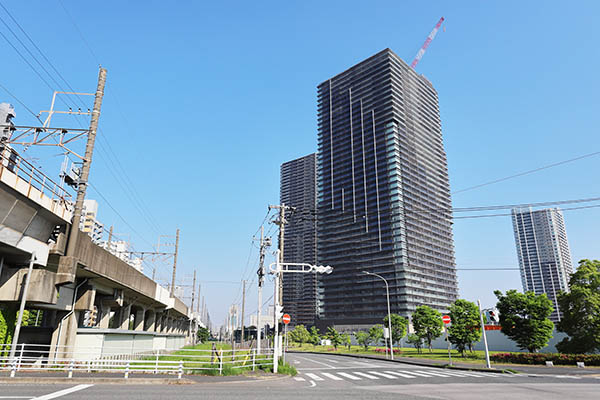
(541, 358)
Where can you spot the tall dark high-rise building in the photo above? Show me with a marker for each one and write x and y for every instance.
(383, 194)
(298, 189)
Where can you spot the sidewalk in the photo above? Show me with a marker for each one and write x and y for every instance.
(457, 364)
(134, 378)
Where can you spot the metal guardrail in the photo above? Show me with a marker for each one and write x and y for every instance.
(33, 357)
(11, 160)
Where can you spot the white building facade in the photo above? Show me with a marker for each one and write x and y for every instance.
(543, 252)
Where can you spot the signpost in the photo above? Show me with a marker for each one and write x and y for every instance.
(286, 320)
(446, 319)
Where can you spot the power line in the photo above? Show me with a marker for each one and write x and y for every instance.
(531, 171)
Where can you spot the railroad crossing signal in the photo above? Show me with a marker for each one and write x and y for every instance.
(446, 319)
(286, 318)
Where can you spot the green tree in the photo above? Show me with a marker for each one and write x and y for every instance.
(314, 337)
(376, 334)
(466, 325)
(581, 310)
(334, 336)
(346, 341)
(300, 334)
(415, 341)
(428, 324)
(363, 338)
(524, 318)
(203, 334)
(399, 324)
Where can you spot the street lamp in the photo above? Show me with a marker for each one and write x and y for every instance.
(280, 268)
(387, 291)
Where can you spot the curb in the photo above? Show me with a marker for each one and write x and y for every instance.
(410, 362)
(106, 381)
(130, 381)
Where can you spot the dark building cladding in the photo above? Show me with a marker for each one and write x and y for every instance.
(298, 189)
(383, 194)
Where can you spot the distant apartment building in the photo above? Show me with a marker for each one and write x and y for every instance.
(89, 221)
(298, 189)
(383, 194)
(121, 249)
(233, 319)
(543, 252)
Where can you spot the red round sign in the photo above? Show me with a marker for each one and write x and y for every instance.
(446, 319)
(286, 318)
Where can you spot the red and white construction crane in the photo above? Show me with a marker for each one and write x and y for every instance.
(426, 44)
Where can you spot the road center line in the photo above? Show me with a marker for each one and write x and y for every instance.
(63, 392)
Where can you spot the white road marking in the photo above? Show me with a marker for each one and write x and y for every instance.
(332, 376)
(352, 377)
(312, 384)
(316, 362)
(15, 397)
(365, 375)
(383, 374)
(63, 392)
(299, 379)
(434, 373)
(314, 376)
(415, 373)
(400, 374)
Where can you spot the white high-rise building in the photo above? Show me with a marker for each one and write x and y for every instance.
(543, 251)
(89, 221)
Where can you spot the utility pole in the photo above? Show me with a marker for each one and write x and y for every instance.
(87, 161)
(110, 235)
(243, 307)
(175, 263)
(198, 302)
(193, 292)
(264, 243)
(278, 296)
(15, 338)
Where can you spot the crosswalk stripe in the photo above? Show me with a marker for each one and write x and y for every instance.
(332, 376)
(435, 373)
(299, 379)
(383, 374)
(314, 377)
(365, 375)
(352, 377)
(400, 374)
(416, 373)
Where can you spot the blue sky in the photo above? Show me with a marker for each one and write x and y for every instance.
(206, 100)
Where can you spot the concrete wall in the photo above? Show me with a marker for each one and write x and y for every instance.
(498, 341)
(96, 343)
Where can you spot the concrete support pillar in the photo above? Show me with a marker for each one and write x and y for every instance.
(138, 322)
(63, 337)
(125, 312)
(104, 317)
(150, 321)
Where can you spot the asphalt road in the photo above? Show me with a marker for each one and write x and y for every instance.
(332, 377)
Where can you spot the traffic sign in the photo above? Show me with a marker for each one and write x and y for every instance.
(446, 319)
(286, 318)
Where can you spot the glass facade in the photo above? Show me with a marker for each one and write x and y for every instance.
(383, 195)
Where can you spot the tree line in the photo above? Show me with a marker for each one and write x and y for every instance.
(524, 318)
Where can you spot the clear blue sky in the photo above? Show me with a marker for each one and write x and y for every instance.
(206, 100)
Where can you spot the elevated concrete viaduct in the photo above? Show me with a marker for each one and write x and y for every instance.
(89, 299)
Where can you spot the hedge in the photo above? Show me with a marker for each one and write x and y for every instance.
(541, 358)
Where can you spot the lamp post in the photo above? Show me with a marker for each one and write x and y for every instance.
(279, 269)
(387, 292)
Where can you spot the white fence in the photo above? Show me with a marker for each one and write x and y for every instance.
(32, 357)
